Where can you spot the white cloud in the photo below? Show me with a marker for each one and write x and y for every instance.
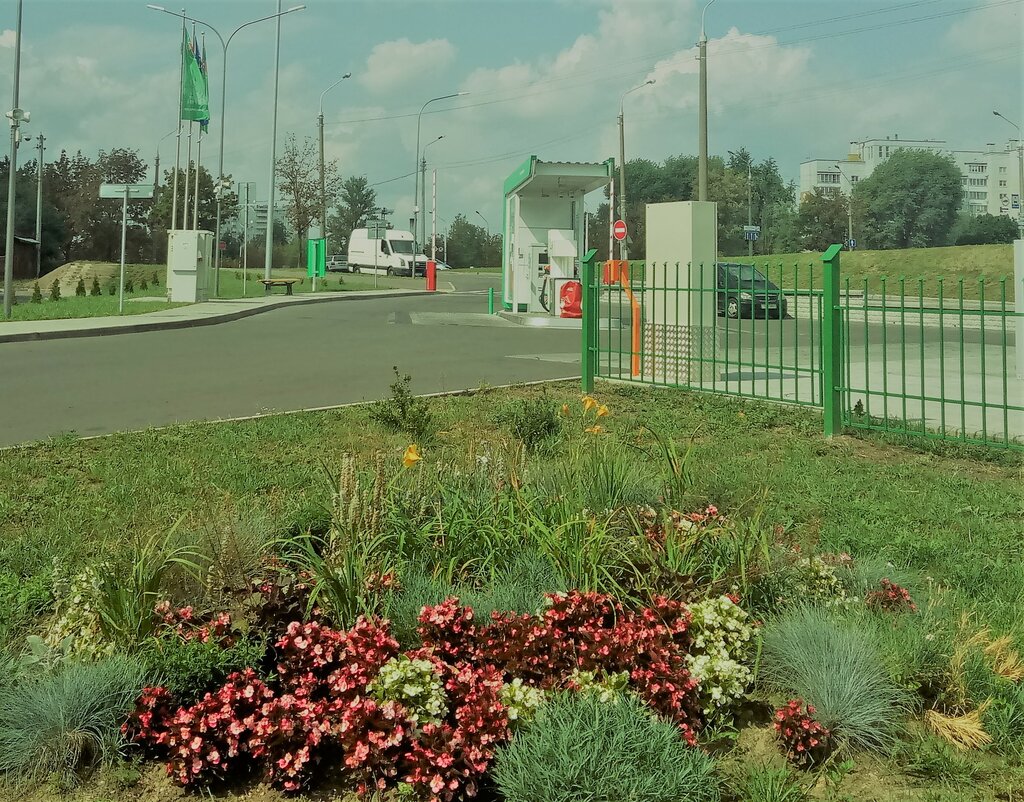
(390, 64)
(7, 39)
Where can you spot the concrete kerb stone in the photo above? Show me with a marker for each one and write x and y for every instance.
(142, 325)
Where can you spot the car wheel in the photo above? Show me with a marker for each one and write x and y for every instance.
(733, 309)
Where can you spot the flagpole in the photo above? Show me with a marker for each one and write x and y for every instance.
(195, 191)
(188, 174)
(177, 146)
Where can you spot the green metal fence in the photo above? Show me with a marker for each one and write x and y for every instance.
(885, 355)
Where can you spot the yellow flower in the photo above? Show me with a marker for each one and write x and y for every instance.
(594, 429)
(411, 456)
(602, 410)
(565, 410)
(588, 404)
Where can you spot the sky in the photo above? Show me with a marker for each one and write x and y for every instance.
(790, 80)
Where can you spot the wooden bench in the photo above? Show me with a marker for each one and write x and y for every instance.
(279, 282)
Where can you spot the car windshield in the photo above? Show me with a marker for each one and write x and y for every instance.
(401, 245)
(745, 275)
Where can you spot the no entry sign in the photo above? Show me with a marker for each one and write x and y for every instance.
(619, 230)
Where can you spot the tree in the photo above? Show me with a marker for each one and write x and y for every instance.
(54, 233)
(984, 229)
(298, 174)
(470, 245)
(357, 200)
(821, 220)
(911, 200)
(729, 190)
(160, 212)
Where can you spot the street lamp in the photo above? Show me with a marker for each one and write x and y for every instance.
(17, 116)
(623, 249)
(223, 107)
(849, 209)
(323, 178)
(702, 111)
(416, 172)
(488, 225)
(1020, 177)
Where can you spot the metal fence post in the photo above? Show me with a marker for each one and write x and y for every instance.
(832, 343)
(590, 318)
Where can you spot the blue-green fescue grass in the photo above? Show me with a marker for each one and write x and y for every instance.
(836, 665)
(54, 726)
(582, 749)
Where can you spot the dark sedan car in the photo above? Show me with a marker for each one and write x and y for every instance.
(743, 291)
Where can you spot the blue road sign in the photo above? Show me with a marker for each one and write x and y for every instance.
(852, 243)
(751, 235)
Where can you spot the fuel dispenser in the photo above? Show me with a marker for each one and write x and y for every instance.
(544, 234)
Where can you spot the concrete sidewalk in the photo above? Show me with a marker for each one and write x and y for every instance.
(207, 313)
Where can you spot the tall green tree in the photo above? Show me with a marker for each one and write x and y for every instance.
(357, 201)
(53, 228)
(985, 229)
(469, 245)
(298, 176)
(911, 200)
(160, 211)
(820, 221)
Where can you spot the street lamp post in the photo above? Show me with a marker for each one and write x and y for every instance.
(623, 248)
(702, 111)
(1020, 176)
(39, 206)
(486, 224)
(225, 43)
(16, 116)
(416, 172)
(849, 209)
(323, 176)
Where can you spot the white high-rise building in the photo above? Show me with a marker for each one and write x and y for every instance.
(989, 178)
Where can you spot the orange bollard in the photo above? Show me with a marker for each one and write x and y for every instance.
(431, 275)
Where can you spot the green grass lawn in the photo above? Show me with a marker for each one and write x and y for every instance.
(85, 306)
(977, 265)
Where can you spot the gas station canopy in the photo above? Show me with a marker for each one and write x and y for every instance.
(544, 229)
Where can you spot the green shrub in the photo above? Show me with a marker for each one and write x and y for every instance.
(80, 288)
(931, 758)
(143, 285)
(95, 290)
(835, 664)
(190, 668)
(37, 295)
(534, 421)
(55, 290)
(580, 749)
(155, 280)
(129, 286)
(56, 725)
(112, 288)
(763, 784)
(404, 412)
(22, 599)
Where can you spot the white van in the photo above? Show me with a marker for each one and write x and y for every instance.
(391, 255)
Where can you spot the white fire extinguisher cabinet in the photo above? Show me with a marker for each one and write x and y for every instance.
(189, 259)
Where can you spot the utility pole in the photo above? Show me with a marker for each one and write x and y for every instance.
(39, 207)
(323, 176)
(623, 248)
(750, 219)
(702, 111)
(16, 116)
(268, 259)
(423, 200)
(433, 221)
(849, 209)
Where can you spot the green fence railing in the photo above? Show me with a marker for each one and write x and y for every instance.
(888, 357)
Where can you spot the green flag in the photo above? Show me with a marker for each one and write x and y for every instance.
(195, 101)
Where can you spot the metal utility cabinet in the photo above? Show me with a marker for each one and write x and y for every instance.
(189, 255)
(544, 229)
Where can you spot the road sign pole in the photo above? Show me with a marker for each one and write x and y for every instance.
(124, 230)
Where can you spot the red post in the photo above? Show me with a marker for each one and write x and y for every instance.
(431, 275)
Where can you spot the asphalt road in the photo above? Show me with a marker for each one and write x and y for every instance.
(295, 358)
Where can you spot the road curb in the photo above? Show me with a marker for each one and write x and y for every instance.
(190, 323)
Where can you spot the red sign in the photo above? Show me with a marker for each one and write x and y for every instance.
(223, 246)
(619, 230)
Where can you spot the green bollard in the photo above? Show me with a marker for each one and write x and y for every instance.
(490, 300)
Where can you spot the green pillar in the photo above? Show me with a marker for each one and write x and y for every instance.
(590, 318)
(832, 344)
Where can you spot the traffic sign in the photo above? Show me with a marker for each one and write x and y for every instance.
(852, 243)
(118, 191)
(376, 229)
(619, 230)
(222, 245)
(751, 233)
